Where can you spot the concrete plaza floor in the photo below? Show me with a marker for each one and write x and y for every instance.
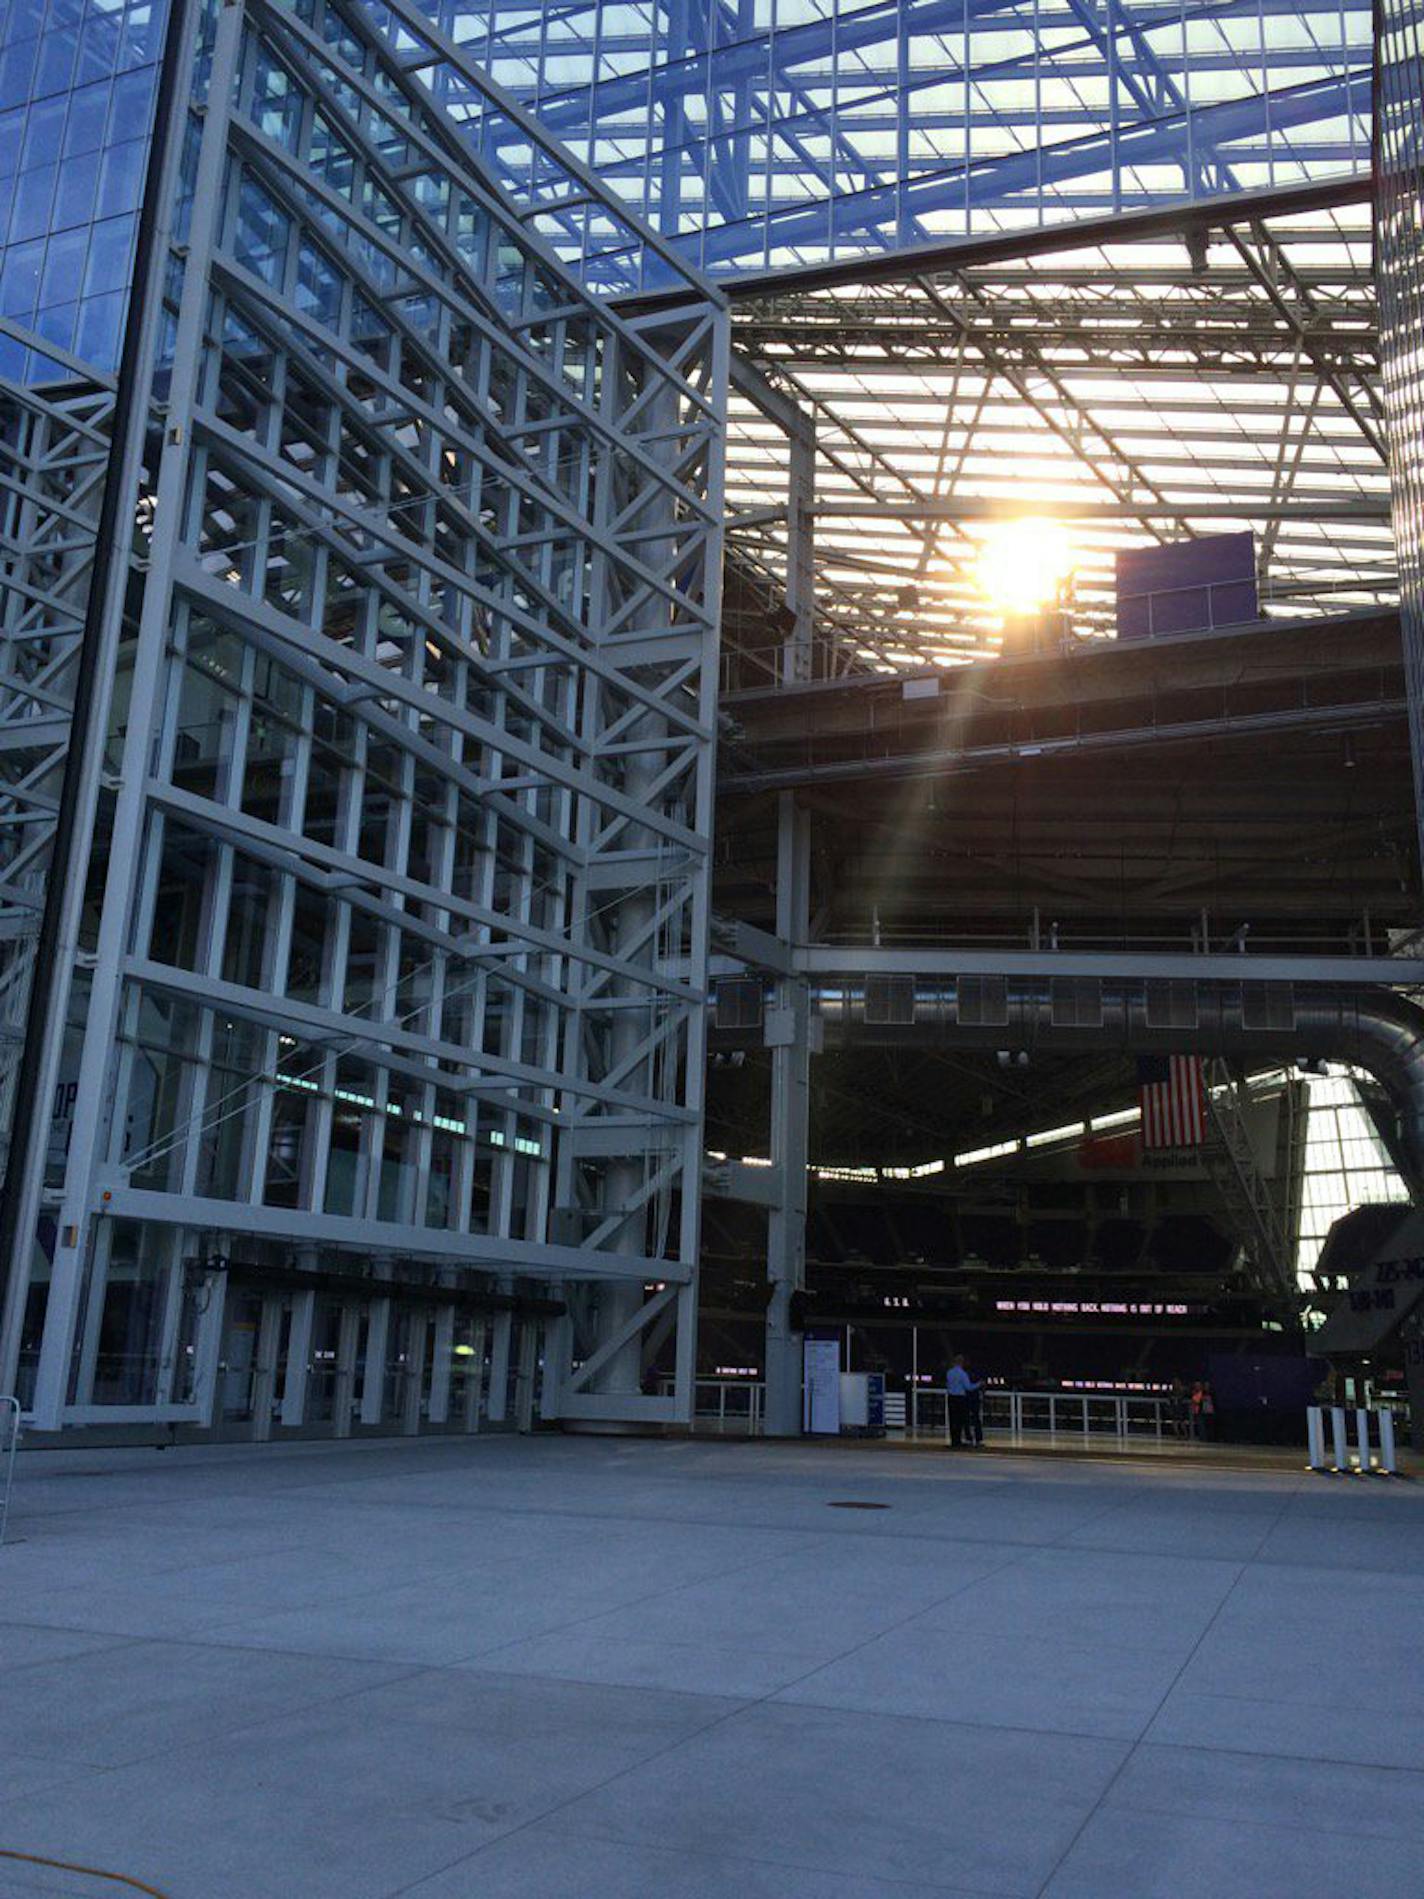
(585, 1667)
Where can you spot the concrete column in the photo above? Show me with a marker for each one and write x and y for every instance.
(345, 1385)
(208, 1372)
(558, 1355)
(299, 1351)
(475, 1378)
(264, 1376)
(527, 1373)
(170, 1375)
(440, 1369)
(414, 1387)
(373, 1382)
(1414, 1380)
(499, 1367)
(788, 1032)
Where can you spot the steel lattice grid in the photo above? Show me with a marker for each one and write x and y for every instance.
(778, 132)
(53, 460)
(405, 913)
(1399, 164)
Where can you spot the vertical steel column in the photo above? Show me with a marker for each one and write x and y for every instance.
(704, 819)
(169, 1386)
(632, 1033)
(799, 651)
(146, 707)
(790, 1126)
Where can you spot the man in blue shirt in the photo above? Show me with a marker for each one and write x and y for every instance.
(958, 1385)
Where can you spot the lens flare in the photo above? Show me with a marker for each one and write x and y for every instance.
(1022, 564)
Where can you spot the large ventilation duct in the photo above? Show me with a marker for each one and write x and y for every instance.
(1369, 1028)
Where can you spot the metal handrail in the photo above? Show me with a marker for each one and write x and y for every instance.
(10, 1413)
(1075, 1413)
(1079, 1414)
(709, 1404)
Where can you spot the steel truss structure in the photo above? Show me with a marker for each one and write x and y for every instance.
(762, 134)
(1191, 372)
(54, 457)
(756, 135)
(1399, 227)
(392, 949)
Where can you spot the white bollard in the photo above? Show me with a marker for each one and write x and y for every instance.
(1315, 1436)
(1389, 1462)
(1337, 1432)
(1362, 1438)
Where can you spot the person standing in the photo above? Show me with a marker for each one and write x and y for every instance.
(957, 1387)
(1203, 1410)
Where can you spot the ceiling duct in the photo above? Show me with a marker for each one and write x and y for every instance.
(1370, 1028)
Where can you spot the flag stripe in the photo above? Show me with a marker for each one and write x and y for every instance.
(1174, 1108)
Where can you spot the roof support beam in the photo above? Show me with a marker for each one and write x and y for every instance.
(858, 960)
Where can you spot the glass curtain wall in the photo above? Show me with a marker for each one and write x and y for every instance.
(77, 85)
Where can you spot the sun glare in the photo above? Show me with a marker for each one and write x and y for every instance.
(1023, 563)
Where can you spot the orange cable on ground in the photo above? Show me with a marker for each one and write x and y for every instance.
(90, 1872)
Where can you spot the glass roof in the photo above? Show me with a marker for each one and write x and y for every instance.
(1182, 380)
(767, 133)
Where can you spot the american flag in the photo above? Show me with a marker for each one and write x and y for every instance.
(1173, 1094)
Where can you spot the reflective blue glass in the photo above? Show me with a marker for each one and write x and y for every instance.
(77, 84)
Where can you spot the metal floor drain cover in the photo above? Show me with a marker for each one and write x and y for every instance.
(852, 1504)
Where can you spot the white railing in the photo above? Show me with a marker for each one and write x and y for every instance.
(9, 1444)
(736, 1406)
(731, 1405)
(1052, 1413)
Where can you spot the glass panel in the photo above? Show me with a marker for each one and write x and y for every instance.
(241, 1331)
(130, 1334)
